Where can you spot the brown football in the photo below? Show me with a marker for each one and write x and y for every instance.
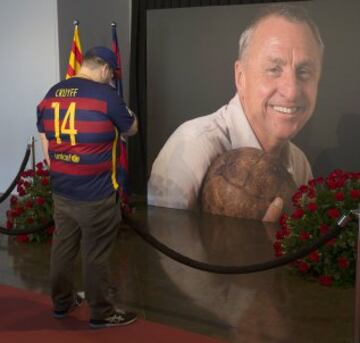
(243, 183)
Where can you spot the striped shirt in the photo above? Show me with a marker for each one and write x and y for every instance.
(82, 121)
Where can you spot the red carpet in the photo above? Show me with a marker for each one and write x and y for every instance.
(26, 317)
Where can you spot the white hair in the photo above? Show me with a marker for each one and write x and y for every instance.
(291, 13)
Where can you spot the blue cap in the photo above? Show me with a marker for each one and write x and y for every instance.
(105, 54)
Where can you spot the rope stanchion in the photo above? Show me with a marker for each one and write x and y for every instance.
(21, 169)
(245, 269)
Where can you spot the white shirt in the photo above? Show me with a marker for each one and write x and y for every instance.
(178, 171)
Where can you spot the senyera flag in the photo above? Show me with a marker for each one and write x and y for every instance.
(123, 162)
(75, 57)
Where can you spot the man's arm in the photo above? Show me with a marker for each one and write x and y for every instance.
(45, 147)
(133, 128)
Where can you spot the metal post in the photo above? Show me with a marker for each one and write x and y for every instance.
(33, 153)
(357, 288)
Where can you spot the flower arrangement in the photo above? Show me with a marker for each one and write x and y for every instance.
(33, 206)
(317, 206)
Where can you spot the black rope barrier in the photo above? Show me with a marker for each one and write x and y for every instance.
(139, 228)
(26, 230)
(245, 269)
(21, 169)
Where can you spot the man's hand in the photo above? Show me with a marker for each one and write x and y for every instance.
(45, 147)
(274, 211)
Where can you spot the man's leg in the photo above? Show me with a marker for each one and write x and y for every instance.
(99, 225)
(65, 246)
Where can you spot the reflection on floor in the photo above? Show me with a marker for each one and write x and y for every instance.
(270, 306)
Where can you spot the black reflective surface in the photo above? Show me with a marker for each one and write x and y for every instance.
(270, 306)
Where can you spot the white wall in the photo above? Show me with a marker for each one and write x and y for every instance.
(29, 65)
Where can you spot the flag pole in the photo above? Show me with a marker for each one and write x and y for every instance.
(33, 159)
(124, 182)
(115, 46)
(75, 57)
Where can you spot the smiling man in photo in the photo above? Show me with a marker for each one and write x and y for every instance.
(276, 75)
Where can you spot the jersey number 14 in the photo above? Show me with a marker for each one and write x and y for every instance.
(68, 124)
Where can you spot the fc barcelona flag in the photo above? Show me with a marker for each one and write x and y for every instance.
(123, 163)
(75, 53)
(118, 72)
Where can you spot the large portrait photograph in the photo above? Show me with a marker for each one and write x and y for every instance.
(249, 103)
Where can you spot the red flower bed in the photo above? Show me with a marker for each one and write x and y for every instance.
(317, 206)
(33, 205)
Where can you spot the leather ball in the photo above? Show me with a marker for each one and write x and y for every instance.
(243, 183)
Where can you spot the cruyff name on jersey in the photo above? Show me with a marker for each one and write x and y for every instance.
(66, 92)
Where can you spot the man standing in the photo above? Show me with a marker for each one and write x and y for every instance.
(80, 121)
(276, 77)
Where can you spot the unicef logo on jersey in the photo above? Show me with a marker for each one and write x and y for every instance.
(67, 157)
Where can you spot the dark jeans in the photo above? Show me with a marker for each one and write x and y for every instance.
(91, 226)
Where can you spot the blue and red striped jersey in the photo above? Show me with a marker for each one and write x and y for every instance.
(82, 120)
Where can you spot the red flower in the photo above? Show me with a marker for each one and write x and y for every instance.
(355, 176)
(277, 245)
(325, 280)
(312, 207)
(331, 242)
(22, 238)
(303, 188)
(314, 256)
(279, 253)
(296, 199)
(283, 219)
(319, 180)
(50, 230)
(21, 191)
(40, 201)
(336, 181)
(304, 235)
(303, 267)
(311, 193)
(336, 172)
(355, 194)
(16, 212)
(24, 174)
(9, 224)
(331, 182)
(45, 181)
(333, 213)
(278, 248)
(324, 229)
(312, 183)
(339, 196)
(343, 262)
(13, 200)
(41, 172)
(298, 213)
(39, 165)
(283, 232)
(29, 204)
